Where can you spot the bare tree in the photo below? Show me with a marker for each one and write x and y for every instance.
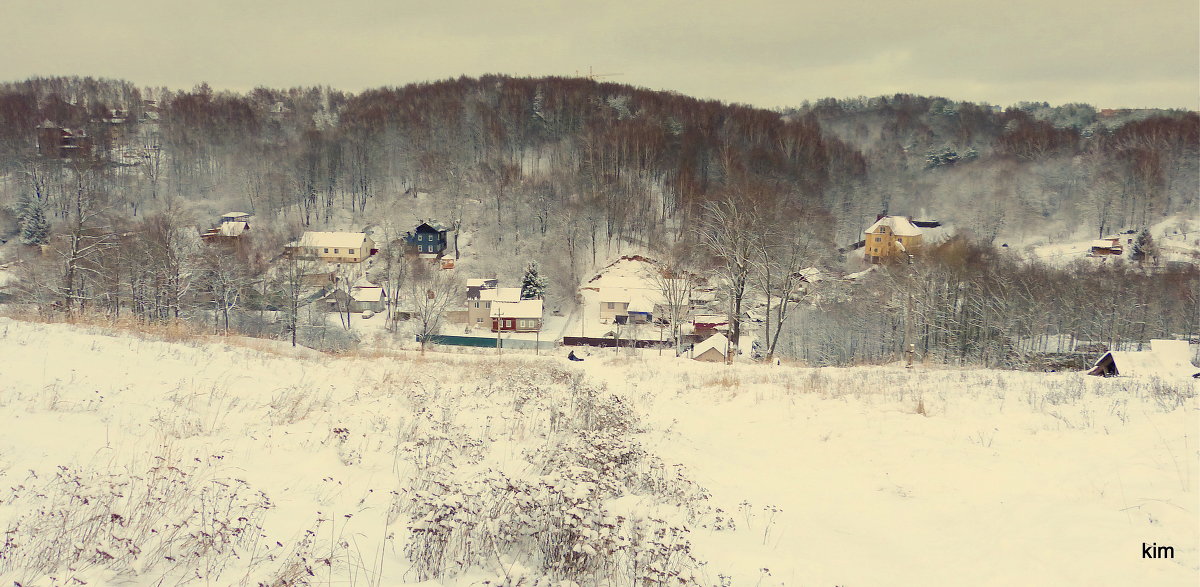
(728, 231)
(431, 292)
(675, 281)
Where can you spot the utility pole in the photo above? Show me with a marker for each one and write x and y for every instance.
(499, 324)
(910, 348)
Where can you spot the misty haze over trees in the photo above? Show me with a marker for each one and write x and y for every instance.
(570, 172)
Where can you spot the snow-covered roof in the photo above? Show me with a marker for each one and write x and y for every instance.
(521, 309)
(614, 294)
(231, 229)
(348, 240)
(899, 225)
(1106, 243)
(367, 294)
(501, 294)
(716, 341)
(642, 305)
(234, 214)
(481, 281)
(710, 319)
(1166, 358)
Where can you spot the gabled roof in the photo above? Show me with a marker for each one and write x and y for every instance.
(431, 226)
(716, 341)
(501, 294)
(521, 309)
(899, 225)
(347, 240)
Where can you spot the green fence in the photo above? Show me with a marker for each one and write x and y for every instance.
(489, 343)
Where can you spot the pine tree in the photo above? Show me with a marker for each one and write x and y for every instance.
(1144, 246)
(35, 229)
(533, 285)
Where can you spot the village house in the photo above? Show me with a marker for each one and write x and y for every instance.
(614, 302)
(706, 324)
(332, 247)
(1106, 246)
(231, 227)
(479, 308)
(891, 238)
(520, 316)
(429, 238)
(57, 142)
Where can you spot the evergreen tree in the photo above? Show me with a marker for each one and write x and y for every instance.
(35, 229)
(533, 285)
(1144, 246)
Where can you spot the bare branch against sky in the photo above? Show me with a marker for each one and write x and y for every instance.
(1110, 53)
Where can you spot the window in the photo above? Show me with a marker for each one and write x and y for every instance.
(478, 320)
(336, 251)
(351, 251)
(508, 323)
(326, 249)
(487, 304)
(879, 239)
(476, 305)
(612, 305)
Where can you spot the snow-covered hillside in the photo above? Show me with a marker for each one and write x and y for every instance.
(133, 460)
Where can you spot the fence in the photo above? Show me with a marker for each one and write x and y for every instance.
(489, 342)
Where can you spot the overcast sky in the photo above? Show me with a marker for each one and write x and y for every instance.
(1109, 53)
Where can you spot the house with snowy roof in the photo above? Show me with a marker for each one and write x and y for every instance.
(891, 238)
(519, 316)
(714, 349)
(231, 227)
(479, 308)
(332, 247)
(1165, 359)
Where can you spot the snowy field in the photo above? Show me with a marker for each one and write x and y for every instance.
(128, 459)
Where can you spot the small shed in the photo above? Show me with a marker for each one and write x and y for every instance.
(1107, 246)
(1166, 358)
(713, 349)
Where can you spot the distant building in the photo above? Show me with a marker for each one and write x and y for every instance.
(891, 238)
(522, 316)
(332, 247)
(1107, 246)
(56, 142)
(479, 308)
(429, 238)
(614, 303)
(231, 227)
(1165, 359)
(477, 285)
(714, 349)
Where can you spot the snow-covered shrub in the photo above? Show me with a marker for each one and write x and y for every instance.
(172, 519)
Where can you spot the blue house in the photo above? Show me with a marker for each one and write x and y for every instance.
(429, 238)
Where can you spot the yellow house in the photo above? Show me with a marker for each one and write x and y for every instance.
(332, 247)
(891, 237)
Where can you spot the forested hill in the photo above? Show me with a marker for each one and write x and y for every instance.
(529, 152)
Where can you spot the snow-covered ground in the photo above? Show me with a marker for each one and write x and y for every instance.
(142, 461)
(1178, 239)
